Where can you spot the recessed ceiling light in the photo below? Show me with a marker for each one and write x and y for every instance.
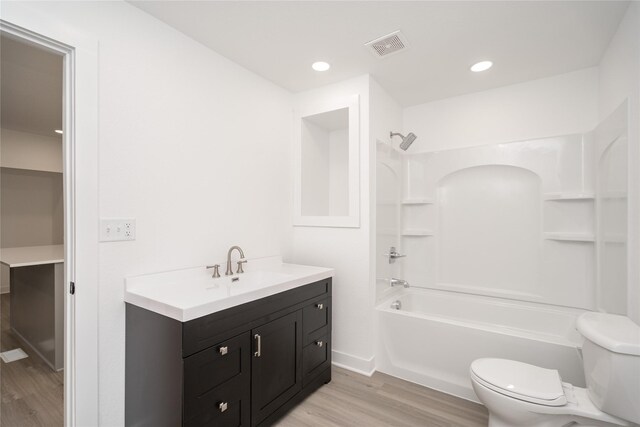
(481, 66)
(320, 66)
(58, 131)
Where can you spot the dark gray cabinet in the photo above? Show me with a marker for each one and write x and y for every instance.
(244, 366)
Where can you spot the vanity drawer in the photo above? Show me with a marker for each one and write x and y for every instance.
(315, 316)
(315, 358)
(227, 405)
(214, 366)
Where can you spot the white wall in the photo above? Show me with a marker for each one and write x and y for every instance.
(339, 172)
(385, 116)
(344, 249)
(192, 145)
(619, 80)
(558, 105)
(316, 160)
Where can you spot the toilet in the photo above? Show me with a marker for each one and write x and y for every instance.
(519, 394)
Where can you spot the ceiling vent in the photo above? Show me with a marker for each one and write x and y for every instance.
(388, 45)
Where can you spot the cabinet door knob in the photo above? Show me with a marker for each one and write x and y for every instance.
(319, 343)
(223, 350)
(222, 406)
(320, 306)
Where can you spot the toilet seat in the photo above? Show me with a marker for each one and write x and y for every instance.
(521, 381)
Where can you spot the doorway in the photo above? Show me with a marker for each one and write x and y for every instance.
(32, 300)
(80, 202)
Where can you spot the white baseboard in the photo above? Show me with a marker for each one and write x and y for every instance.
(354, 363)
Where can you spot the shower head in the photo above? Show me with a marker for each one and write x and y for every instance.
(406, 140)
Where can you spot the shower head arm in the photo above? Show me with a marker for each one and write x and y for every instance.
(392, 134)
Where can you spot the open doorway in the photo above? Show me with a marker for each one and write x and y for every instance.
(32, 309)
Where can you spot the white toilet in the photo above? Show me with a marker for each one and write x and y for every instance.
(519, 394)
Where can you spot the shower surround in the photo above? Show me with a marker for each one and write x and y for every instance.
(501, 245)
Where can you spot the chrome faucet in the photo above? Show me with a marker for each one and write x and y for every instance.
(398, 282)
(229, 271)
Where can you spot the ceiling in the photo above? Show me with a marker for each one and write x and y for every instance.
(526, 40)
(31, 88)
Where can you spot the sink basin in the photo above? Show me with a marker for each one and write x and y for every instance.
(249, 280)
(191, 293)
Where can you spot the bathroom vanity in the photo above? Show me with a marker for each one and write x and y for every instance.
(217, 352)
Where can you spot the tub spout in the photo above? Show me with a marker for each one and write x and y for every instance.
(398, 282)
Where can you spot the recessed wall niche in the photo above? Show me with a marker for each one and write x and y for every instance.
(327, 164)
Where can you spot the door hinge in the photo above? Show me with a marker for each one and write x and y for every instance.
(72, 288)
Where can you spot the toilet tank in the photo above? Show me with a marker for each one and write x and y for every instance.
(611, 361)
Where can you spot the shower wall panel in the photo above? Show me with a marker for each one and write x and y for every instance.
(511, 220)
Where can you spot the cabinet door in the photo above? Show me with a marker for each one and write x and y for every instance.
(276, 367)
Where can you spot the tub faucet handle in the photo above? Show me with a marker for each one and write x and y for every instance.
(398, 282)
(393, 255)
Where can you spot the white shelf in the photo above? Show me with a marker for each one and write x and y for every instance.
(570, 237)
(568, 196)
(12, 168)
(417, 232)
(418, 201)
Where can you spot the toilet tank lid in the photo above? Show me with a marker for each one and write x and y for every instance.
(616, 333)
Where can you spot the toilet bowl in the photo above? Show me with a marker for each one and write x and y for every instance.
(520, 394)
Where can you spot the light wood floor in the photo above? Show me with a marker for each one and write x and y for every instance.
(31, 391)
(352, 400)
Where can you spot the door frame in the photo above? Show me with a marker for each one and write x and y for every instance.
(80, 176)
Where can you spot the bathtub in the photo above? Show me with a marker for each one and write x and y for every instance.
(435, 335)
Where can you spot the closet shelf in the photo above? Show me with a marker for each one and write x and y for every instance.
(570, 237)
(418, 201)
(568, 196)
(417, 232)
(13, 168)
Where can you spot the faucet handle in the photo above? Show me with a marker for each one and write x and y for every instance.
(216, 270)
(240, 270)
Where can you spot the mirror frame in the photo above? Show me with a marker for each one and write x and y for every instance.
(352, 220)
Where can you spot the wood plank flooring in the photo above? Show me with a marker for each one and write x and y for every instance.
(31, 392)
(353, 400)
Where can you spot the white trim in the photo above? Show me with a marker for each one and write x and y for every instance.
(80, 118)
(353, 219)
(353, 363)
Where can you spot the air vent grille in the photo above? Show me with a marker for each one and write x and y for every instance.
(388, 45)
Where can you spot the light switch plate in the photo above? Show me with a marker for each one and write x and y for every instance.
(117, 229)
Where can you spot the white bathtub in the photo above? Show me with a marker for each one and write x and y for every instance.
(436, 335)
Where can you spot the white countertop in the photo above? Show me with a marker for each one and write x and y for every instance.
(190, 293)
(32, 255)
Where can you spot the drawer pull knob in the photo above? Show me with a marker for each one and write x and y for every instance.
(319, 343)
(223, 350)
(320, 306)
(222, 406)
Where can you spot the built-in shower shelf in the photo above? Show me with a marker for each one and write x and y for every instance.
(418, 201)
(417, 232)
(568, 196)
(570, 237)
